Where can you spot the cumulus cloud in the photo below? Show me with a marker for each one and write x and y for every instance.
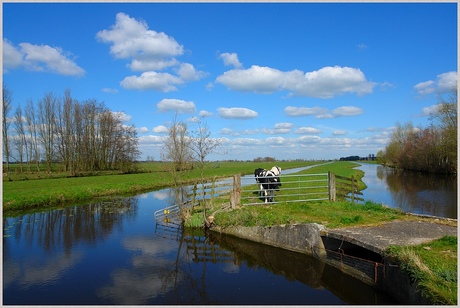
(149, 52)
(444, 83)
(322, 113)
(305, 111)
(237, 113)
(204, 113)
(428, 111)
(345, 111)
(122, 116)
(41, 58)
(339, 132)
(231, 59)
(255, 79)
(187, 72)
(178, 105)
(130, 38)
(164, 82)
(143, 130)
(308, 130)
(160, 129)
(326, 82)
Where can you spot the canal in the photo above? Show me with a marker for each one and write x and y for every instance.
(113, 253)
(411, 191)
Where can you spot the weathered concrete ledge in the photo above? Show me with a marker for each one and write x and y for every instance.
(310, 239)
(303, 238)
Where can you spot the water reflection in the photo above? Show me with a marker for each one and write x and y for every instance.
(112, 254)
(413, 192)
(318, 276)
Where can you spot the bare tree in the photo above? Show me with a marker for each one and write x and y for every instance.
(20, 136)
(202, 145)
(177, 146)
(177, 151)
(32, 127)
(7, 102)
(46, 129)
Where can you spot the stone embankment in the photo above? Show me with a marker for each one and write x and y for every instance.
(361, 245)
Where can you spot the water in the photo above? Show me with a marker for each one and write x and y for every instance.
(412, 192)
(113, 254)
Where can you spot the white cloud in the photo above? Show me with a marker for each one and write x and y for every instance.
(12, 57)
(178, 105)
(347, 111)
(255, 79)
(226, 131)
(187, 72)
(339, 132)
(444, 83)
(164, 82)
(305, 111)
(427, 111)
(236, 113)
(130, 38)
(149, 52)
(41, 58)
(143, 130)
(122, 116)
(447, 82)
(327, 82)
(109, 90)
(160, 129)
(204, 113)
(308, 130)
(231, 59)
(425, 87)
(152, 64)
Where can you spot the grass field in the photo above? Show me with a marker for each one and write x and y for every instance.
(40, 190)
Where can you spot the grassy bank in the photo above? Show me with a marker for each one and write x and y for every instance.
(433, 267)
(41, 190)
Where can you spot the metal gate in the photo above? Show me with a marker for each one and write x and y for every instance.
(294, 188)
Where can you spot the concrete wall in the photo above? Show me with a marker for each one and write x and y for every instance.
(304, 238)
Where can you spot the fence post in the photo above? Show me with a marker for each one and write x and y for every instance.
(331, 186)
(235, 195)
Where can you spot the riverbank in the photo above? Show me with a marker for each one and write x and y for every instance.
(42, 190)
(390, 256)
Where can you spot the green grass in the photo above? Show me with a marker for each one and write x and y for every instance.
(42, 190)
(330, 214)
(433, 266)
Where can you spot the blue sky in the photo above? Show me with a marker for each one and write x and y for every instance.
(295, 80)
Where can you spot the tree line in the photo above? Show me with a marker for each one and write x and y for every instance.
(430, 149)
(80, 136)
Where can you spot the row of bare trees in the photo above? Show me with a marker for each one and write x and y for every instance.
(431, 149)
(80, 136)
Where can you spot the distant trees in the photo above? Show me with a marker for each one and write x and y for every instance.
(264, 159)
(81, 136)
(431, 149)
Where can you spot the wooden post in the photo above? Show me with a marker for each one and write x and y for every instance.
(331, 184)
(235, 195)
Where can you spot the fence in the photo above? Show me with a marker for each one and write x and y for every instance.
(346, 188)
(228, 193)
(295, 188)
